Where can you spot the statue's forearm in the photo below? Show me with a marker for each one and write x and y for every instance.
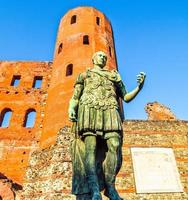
(73, 104)
(75, 98)
(131, 95)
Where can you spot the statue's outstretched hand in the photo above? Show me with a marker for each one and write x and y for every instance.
(140, 79)
(72, 115)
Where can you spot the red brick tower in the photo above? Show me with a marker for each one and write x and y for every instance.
(82, 32)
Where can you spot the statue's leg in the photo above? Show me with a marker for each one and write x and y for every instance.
(90, 165)
(110, 166)
(83, 197)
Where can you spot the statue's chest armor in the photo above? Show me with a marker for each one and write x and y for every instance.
(99, 92)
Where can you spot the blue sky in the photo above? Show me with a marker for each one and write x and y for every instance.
(150, 36)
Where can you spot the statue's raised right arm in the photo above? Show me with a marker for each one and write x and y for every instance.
(128, 96)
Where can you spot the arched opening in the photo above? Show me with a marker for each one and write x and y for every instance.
(110, 51)
(86, 39)
(98, 20)
(60, 48)
(69, 70)
(73, 19)
(29, 120)
(5, 117)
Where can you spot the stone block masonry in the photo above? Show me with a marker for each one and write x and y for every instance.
(49, 173)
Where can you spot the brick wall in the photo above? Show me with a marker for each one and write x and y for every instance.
(49, 174)
(17, 141)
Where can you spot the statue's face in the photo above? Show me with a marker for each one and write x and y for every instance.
(100, 59)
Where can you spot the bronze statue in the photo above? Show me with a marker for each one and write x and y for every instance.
(94, 109)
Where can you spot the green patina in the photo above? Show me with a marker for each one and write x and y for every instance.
(97, 123)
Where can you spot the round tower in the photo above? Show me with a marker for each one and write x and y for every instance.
(82, 32)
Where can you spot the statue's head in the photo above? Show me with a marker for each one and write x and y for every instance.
(99, 58)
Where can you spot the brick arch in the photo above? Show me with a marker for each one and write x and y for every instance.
(26, 117)
(2, 115)
(69, 69)
(60, 48)
(73, 19)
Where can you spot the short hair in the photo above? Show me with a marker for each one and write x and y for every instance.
(96, 53)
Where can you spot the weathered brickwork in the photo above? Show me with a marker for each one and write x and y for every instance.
(157, 111)
(49, 173)
(17, 141)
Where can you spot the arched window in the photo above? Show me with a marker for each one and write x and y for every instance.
(29, 120)
(110, 51)
(73, 19)
(60, 48)
(85, 39)
(98, 20)
(69, 70)
(5, 117)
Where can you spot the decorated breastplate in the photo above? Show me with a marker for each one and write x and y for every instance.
(99, 92)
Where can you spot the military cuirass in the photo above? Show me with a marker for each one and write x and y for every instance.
(99, 92)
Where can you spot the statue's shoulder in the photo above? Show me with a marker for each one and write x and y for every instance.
(86, 74)
(115, 75)
(82, 76)
(114, 71)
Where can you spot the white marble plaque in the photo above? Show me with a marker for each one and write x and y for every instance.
(155, 170)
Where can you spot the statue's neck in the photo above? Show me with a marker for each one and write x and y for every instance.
(98, 67)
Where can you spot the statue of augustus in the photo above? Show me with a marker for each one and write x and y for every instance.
(94, 109)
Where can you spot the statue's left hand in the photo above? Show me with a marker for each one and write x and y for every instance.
(72, 115)
(140, 79)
